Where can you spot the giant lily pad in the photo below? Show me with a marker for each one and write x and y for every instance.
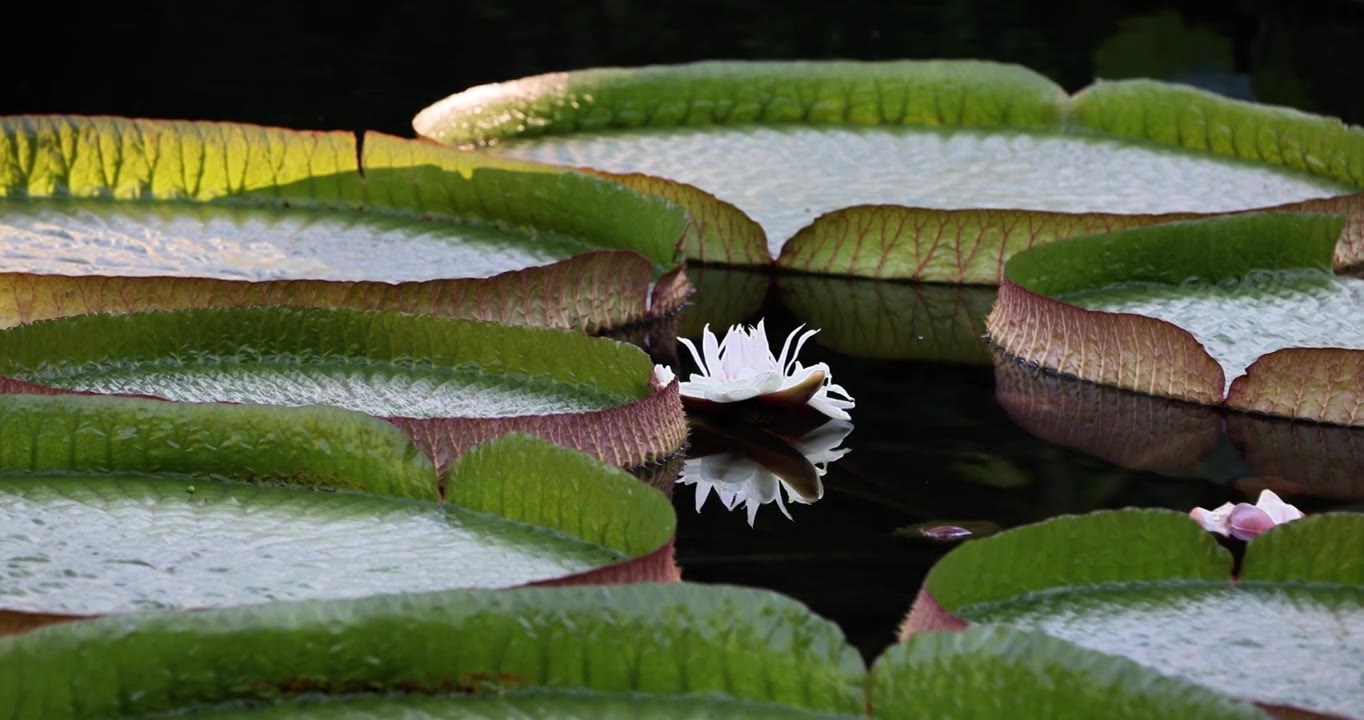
(1242, 311)
(116, 215)
(678, 651)
(113, 505)
(448, 383)
(1150, 434)
(925, 170)
(1152, 586)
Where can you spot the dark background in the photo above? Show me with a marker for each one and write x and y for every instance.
(374, 65)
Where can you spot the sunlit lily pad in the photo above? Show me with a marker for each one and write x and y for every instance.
(1151, 434)
(449, 383)
(1242, 311)
(113, 505)
(669, 651)
(1152, 586)
(927, 170)
(110, 215)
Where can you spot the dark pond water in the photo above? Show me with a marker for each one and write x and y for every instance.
(938, 437)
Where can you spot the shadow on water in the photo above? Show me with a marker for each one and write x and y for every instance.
(943, 438)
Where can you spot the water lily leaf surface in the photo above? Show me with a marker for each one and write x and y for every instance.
(1192, 310)
(95, 546)
(451, 383)
(938, 673)
(269, 215)
(125, 504)
(669, 651)
(1152, 586)
(683, 643)
(928, 170)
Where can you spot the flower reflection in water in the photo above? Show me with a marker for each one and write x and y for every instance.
(753, 465)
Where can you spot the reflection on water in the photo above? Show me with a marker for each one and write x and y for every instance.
(950, 447)
(1144, 433)
(750, 465)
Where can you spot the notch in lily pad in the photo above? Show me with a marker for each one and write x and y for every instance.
(875, 168)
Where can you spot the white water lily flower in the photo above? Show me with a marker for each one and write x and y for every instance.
(1244, 521)
(742, 367)
(737, 479)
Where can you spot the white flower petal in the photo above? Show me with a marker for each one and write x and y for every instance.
(1214, 520)
(1277, 510)
(710, 349)
(828, 408)
(784, 359)
(697, 357)
(800, 344)
(664, 375)
(741, 367)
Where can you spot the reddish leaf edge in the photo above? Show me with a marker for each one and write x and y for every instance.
(594, 292)
(630, 436)
(1110, 348)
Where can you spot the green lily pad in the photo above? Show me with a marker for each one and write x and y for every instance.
(450, 383)
(669, 651)
(940, 674)
(1152, 586)
(83, 547)
(926, 170)
(723, 645)
(96, 214)
(312, 447)
(114, 505)
(1241, 311)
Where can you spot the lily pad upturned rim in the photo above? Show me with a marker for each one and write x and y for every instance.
(1131, 548)
(112, 159)
(678, 642)
(1155, 357)
(958, 93)
(647, 425)
(516, 476)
